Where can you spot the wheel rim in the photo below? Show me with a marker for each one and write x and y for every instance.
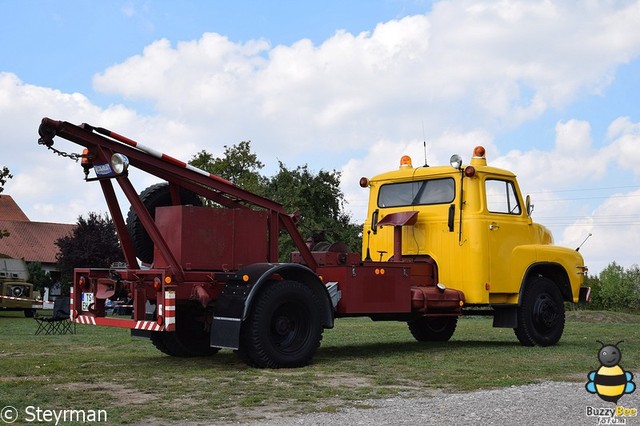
(545, 312)
(289, 329)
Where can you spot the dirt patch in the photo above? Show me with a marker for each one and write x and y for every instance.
(346, 380)
(3, 353)
(121, 394)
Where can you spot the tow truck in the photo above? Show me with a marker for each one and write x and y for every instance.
(438, 243)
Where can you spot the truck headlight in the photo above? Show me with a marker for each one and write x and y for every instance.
(17, 291)
(119, 163)
(455, 161)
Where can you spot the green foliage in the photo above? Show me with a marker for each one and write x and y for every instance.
(92, 244)
(316, 197)
(38, 277)
(320, 202)
(616, 288)
(238, 165)
(5, 175)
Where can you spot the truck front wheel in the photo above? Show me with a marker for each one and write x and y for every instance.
(540, 314)
(283, 328)
(433, 329)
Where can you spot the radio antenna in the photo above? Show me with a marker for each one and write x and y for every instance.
(424, 144)
(585, 240)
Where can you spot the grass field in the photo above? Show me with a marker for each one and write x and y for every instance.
(104, 368)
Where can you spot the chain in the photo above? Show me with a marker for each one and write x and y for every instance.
(74, 156)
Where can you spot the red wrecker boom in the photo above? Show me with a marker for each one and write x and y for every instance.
(211, 277)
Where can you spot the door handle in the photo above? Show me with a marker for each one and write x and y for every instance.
(493, 226)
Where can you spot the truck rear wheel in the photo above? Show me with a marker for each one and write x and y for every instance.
(283, 328)
(540, 314)
(190, 338)
(157, 195)
(433, 329)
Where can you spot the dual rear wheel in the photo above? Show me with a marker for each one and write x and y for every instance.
(283, 329)
(284, 326)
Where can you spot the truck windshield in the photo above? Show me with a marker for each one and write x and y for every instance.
(422, 192)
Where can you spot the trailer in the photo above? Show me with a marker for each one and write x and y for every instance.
(438, 243)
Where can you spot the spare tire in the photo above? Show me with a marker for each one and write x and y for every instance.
(157, 195)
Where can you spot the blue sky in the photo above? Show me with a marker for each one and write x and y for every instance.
(550, 88)
(84, 37)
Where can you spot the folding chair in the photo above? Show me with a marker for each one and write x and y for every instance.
(59, 322)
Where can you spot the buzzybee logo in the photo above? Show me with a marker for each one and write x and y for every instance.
(610, 381)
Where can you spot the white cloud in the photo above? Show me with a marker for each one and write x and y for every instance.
(467, 64)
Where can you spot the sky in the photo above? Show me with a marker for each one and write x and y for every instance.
(549, 88)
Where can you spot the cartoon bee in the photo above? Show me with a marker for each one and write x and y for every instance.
(610, 381)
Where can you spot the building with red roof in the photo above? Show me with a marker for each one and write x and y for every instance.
(27, 240)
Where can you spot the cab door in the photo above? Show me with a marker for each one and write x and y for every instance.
(507, 226)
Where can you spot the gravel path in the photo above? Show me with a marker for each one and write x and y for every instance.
(548, 403)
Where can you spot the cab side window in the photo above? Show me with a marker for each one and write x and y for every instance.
(501, 197)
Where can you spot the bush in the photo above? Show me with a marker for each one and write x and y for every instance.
(616, 289)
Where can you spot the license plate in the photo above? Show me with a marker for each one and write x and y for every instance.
(87, 300)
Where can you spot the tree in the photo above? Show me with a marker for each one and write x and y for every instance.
(320, 202)
(92, 244)
(38, 277)
(238, 165)
(317, 197)
(616, 288)
(5, 175)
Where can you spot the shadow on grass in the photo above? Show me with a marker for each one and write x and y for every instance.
(227, 359)
(384, 349)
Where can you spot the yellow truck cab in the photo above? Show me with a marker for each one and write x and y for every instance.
(475, 227)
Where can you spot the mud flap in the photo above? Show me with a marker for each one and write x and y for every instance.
(227, 316)
(505, 317)
(225, 332)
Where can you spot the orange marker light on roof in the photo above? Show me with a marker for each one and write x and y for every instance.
(479, 152)
(405, 161)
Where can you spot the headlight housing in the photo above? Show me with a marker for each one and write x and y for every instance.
(119, 163)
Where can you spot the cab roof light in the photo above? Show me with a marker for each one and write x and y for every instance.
(479, 152)
(479, 156)
(405, 161)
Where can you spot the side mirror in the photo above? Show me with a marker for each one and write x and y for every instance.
(529, 206)
(374, 221)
